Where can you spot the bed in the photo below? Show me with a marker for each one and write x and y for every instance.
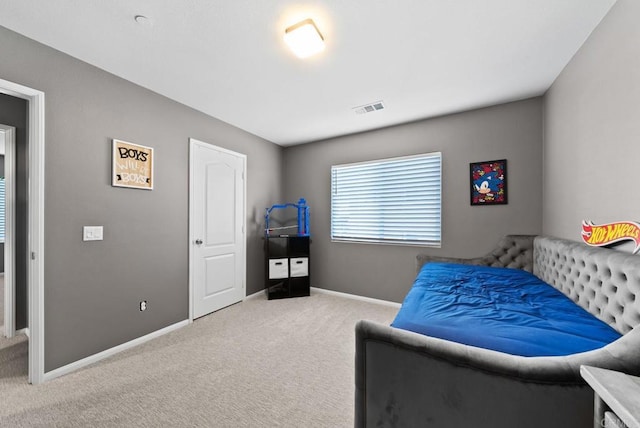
(428, 378)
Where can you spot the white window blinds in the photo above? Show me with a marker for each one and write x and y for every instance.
(395, 201)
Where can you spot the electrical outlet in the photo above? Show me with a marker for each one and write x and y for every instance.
(92, 233)
(143, 305)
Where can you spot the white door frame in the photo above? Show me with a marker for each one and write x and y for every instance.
(192, 143)
(35, 276)
(7, 135)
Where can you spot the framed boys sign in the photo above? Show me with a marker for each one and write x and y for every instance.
(489, 182)
(132, 165)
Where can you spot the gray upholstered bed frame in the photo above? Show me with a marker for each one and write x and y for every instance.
(404, 379)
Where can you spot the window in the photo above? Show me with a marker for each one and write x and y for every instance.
(394, 201)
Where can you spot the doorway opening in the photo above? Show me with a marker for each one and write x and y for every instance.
(34, 222)
(7, 235)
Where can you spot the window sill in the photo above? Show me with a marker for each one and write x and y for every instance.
(383, 242)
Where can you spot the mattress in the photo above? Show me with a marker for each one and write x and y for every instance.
(506, 310)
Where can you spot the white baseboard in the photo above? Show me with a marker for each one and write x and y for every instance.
(356, 297)
(254, 295)
(112, 351)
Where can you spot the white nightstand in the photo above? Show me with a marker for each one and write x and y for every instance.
(617, 397)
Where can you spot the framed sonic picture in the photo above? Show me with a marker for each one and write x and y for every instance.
(132, 165)
(489, 182)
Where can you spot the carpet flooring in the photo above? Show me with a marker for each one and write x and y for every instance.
(259, 363)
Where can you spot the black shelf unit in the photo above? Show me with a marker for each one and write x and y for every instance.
(287, 266)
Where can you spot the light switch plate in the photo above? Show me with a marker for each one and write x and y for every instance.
(92, 233)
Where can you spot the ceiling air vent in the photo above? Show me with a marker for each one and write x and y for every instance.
(369, 108)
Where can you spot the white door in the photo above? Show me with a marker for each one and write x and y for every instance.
(217, 218)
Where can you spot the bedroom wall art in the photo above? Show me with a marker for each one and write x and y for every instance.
(132, 165)
(602, 235)
(489, 182)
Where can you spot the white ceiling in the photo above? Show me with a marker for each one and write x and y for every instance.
(227, 58)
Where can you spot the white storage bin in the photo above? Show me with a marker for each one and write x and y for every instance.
(299, 266)
(278, 268)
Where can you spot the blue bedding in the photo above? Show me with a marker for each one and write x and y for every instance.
(507, 310)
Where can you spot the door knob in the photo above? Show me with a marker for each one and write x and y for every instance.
(198, 241)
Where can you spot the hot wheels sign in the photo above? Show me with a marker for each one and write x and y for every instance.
(611, 233)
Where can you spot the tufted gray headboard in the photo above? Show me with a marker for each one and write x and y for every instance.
(604, 282)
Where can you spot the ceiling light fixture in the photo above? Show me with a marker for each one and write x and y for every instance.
(304, 38)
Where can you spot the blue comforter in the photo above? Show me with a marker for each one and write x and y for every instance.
(507, 310)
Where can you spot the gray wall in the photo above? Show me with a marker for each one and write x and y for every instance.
(13, 112)
(592, 129)
(512, 131)
(92, 289)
